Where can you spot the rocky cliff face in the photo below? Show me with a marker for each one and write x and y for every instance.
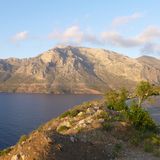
(76, 70)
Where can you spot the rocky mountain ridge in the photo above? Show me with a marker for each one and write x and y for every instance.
(76, 70)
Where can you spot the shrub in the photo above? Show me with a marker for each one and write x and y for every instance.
(104, 115)
(74, 112)
(141, 119)
(143, 90)
(65, 114)
(5, 151)
(155, 140)
(22, 138)
(62, 128)
(70, 113)
(116, 100)
(107, 126)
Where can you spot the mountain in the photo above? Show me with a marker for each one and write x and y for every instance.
(69, 69)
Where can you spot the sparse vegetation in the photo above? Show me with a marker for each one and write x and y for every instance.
(5, 151)
(107, 126)
(116, 150)
(22, 138)
(70, 113)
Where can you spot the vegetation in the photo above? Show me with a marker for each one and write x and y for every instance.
(5, 151)
(116, 100)
(62, 128)
(22, 138)
(70, 113)
(143, 91)
(146, 130)
(107, 126)
(140, 119)
(116, 150)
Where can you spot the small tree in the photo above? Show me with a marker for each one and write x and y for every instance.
(116, 100)
(143, 91)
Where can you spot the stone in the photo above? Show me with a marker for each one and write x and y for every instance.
(72, 139)
(90, 111)
(101, 120)
(80, 114)
(16, 157)
(66, 123)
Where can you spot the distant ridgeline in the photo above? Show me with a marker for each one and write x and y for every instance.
(76, 70)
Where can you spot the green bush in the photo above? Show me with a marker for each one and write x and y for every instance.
(5, 151)
(22, 138)
(107, 126)
(70, 113)
(104, 115)
(65, 114)
(62, 128)
(143, 91)
(141, 119)
(116, 100)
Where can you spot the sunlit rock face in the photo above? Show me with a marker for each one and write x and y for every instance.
(67, 69)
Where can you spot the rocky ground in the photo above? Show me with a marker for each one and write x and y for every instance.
(86, 132)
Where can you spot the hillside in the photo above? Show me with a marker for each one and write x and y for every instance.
(88, 131)
(76, 70)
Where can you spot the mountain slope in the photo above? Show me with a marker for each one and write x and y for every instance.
(76, 70)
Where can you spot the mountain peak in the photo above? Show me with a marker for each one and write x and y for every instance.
(70, 69)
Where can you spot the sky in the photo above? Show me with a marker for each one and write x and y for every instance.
(30, 27)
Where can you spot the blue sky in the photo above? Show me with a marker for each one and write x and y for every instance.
(29, 27)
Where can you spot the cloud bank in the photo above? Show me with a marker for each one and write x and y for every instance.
(146, 40)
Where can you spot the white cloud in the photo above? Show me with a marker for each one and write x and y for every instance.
(125, 19)
(20, 36)
(74, 34)
(149, 35)
(114, 38)
(151, 48)
(145, 41)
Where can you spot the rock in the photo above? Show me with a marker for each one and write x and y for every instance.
(72, 139)
(80, 114)
(96, 108)
(101, 120)
(22, 156)
(49, 129)
(99, 111)
(89, 120)
(90, 111)
(16, 157)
